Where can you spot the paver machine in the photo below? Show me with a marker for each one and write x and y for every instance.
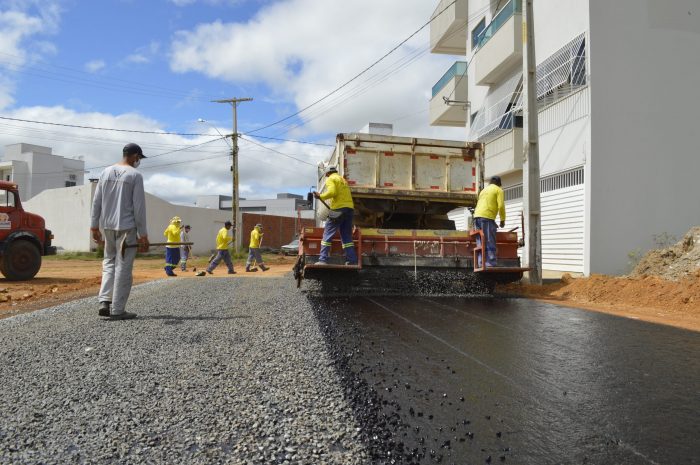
(403, 189)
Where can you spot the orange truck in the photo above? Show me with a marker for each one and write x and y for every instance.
(24, 238)
(403, 189)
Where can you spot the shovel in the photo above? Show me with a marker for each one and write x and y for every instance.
(152, 244)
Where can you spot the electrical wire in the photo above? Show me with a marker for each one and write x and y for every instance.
(277, 151)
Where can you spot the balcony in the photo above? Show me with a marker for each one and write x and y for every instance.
(500, 46)
(504, 154)
(448, 31)
(452, 85)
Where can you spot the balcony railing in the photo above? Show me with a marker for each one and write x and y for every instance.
(457, 69)
(511, 8)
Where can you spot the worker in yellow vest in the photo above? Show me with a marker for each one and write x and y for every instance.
(254, 249)
(337, 192)
(172, 252)
(491, 203)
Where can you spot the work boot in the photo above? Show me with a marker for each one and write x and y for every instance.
(123, 316)
(210, 272)
(169, 271)
(263, 267)
(248, 270)
(104, 308)
(231, 272)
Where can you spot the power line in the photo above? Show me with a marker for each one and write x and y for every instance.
(78, 126)
(357, 75)
(277, 151)
(376, 79)
(136, 131)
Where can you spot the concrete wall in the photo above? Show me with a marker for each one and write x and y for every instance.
(67, 214)
(644, 158)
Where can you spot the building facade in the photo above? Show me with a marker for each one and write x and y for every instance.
(284, 205)
(618, 155)
(35, 168)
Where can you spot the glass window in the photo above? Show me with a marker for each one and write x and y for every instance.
(7, 199)
(476, 32)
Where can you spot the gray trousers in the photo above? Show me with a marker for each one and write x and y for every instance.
(254, 255)
(221, 255)
(117, 274)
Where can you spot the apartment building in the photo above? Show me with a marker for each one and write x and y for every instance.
(617, 116)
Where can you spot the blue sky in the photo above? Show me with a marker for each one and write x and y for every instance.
(155, 65)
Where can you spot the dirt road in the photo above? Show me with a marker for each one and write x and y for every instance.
(61, 280)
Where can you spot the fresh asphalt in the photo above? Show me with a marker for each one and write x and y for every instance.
(255, 371)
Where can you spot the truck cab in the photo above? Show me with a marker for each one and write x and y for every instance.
(24, 238)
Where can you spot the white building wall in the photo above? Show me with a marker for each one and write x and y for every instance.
(67, 214)
(644, 158)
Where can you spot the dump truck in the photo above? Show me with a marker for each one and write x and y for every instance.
(403, 189)
(24, 238)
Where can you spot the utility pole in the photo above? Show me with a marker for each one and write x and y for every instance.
(237, 220)
(531, 157)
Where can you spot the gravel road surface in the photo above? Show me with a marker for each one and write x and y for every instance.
(213, 371)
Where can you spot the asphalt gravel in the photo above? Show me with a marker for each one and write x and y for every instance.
(211, 371)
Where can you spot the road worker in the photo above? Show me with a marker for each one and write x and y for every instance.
(491, 204)
(119, 209)
(254, 249)
(223, 241)
(185, 250)
(337, 192)
(172, 252)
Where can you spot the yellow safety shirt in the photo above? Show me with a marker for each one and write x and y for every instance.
(223, 239)
(255, 238)
(491, 203)
(172, 233)
(338, 192)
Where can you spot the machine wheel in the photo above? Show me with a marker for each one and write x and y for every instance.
(21, 261)
(299, 269)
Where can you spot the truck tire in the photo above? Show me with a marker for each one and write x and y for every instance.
(21, 261)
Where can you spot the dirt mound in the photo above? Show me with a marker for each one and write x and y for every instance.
(680, 261)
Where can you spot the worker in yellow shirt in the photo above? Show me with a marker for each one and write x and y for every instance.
(491, 204)
(172, 252)
(254, 249)
(223, 241)
(337, 192)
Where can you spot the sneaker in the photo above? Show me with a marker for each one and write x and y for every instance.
(350, 263)
(320, 263)
(104, 308)
(123, 316)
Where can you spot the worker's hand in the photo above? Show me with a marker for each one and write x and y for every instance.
(503, 224)
(96, 236)
(143, 244)
(317, 195)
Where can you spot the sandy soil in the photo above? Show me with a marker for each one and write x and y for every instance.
(61, 280)
(648, 298)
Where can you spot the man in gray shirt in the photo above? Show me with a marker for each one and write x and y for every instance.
(119, 210)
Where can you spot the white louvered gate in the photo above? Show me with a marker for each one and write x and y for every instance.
(563, 219)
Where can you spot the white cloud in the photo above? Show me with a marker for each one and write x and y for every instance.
(20, 21)
(303, 49)
(179, 176)
(94, 66)
(143, 54)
